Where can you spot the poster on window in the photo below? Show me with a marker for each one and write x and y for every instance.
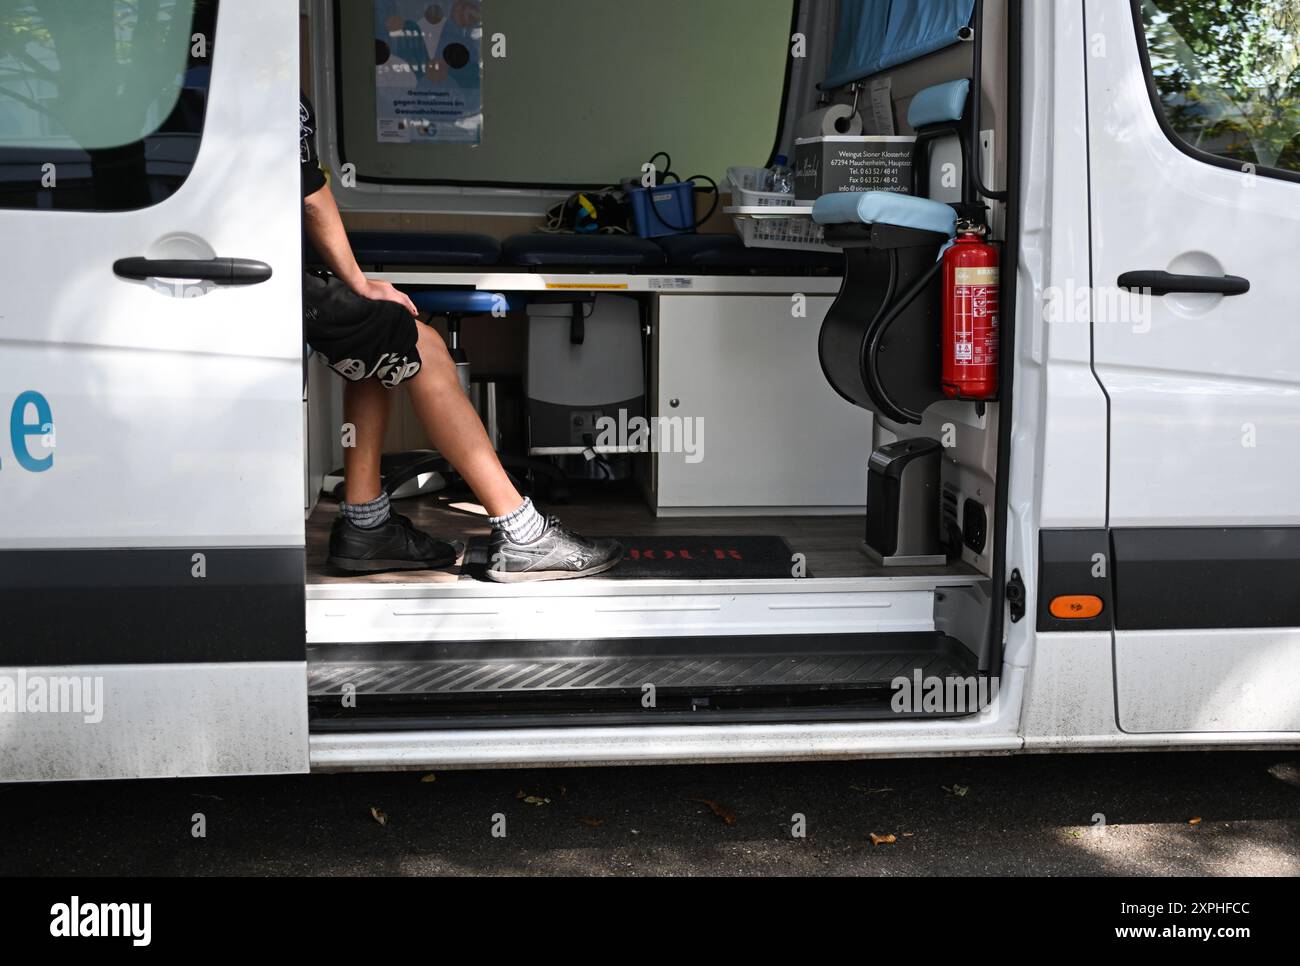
(429, 71)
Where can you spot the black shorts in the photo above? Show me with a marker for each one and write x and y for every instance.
(359, 338)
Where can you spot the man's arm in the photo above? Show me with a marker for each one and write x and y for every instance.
(325, 231)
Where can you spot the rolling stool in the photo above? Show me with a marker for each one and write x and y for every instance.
(455, 305)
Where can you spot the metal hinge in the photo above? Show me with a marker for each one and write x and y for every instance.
(1016, 596)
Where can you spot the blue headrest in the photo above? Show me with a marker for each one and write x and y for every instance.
(942, 102)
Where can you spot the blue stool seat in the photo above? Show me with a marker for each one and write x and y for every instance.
(704, 253)
(581, 251)
(446, 301)
(885, 208)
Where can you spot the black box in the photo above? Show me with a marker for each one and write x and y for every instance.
(826, 165)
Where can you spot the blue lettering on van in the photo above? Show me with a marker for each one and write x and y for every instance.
(20, 430)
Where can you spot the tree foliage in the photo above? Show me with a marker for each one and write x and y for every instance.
(1228, 74)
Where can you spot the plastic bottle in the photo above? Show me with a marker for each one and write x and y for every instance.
(782, 181)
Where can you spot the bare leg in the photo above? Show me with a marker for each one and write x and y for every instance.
(454, 428)
(366, 405)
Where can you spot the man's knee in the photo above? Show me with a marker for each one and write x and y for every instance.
(434, 355)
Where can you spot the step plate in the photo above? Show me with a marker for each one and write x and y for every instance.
(382, 676)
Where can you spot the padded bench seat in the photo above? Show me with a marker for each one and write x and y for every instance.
(587, 252)
(424, 248)
(704, 253)
(415, 248)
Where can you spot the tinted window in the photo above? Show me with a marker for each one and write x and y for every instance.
(101, 104)
(1227, 74)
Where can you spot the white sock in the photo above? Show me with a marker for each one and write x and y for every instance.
(523, 525)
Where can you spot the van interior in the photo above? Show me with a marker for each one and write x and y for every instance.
(668, 346)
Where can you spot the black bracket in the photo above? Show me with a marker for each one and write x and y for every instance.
(1016, 597)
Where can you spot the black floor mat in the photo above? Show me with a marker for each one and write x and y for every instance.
(688, 558)
(705, 558)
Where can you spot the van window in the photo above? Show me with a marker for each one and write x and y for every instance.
(101, 104)
(578, 92)
(1227, 76)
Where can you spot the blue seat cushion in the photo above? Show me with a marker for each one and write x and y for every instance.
(446, 301)
(426, 249)
(940, 103)
(885, 208)
(581, 251)
(721, 252)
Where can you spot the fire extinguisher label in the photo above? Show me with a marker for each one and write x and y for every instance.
(975, 341)
(977, 276)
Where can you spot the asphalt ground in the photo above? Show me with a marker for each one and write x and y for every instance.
(1177, 813)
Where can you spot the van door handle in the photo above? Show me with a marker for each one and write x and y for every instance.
(220, 271)
(1165, 283)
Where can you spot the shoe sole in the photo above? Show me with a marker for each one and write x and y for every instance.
(353, 565)
(538, 576)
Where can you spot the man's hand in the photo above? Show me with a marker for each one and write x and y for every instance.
(385, 292)
(325, 231)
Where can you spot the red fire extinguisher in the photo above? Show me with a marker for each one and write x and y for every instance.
(970, 315)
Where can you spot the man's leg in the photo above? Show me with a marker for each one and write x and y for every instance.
(367, 537)
(454, 428)
(366, 405)
(524, 546)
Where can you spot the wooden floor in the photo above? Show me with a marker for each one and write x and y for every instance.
(831, 545)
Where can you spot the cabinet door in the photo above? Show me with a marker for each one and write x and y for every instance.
(757, 423)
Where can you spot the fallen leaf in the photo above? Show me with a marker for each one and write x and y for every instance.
(378, 816)
(527, 799)
(1193, 821)
(591, 822)
(429, 778)
(724, 813)
(870, 791)
(879, 840)
(1074, 833)
(958, 790)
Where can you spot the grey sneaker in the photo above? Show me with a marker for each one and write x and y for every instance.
(558, 554)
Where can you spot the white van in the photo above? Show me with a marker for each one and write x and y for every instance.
(1106, 555)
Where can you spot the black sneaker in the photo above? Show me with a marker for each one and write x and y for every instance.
(393, 545)
(558, 554)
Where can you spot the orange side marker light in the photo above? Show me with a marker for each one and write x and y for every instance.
(1076, 607)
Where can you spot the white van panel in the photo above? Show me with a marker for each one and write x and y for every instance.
(178, 416)
(135, 463)
(158, 721)
(1204, 389)
(1241, 680)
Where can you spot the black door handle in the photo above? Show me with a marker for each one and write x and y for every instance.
(1165, 283)
(221, 271)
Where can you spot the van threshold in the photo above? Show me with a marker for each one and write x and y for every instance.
(646, 677)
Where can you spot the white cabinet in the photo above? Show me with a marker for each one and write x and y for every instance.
(738, 379)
